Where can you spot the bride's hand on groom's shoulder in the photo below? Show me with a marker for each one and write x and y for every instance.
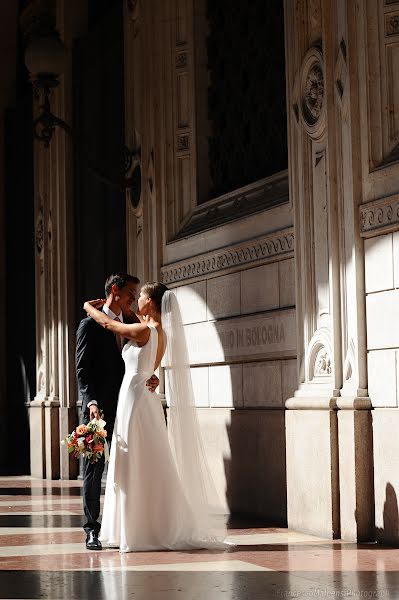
(98, 303)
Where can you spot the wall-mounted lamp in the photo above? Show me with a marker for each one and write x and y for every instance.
(45, 58)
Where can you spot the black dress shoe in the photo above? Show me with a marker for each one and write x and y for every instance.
(92, 541)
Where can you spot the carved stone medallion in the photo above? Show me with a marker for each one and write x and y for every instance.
(312, 93)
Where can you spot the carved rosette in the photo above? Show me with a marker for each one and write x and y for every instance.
(312, 109)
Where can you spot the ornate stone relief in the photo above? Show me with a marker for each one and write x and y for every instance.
(392, 24)
(274, 245)
(320, 364)
(39, 231)
(183, 142)
(311, 91)
(380, 216)
(181, 60)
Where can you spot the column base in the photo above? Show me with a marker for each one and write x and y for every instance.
(37, 439)
(355, 440)
(53, 440)
(69, 466)
(312, 470)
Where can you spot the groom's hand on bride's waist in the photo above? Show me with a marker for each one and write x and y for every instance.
(152, 383)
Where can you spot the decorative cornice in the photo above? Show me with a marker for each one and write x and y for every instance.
(261, 195)
(380, 216)
(272, 246)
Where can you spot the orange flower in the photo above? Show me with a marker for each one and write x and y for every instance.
(81, 429)
(102, 433)
(98, 448)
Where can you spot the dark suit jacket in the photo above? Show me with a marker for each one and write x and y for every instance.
(99, 369)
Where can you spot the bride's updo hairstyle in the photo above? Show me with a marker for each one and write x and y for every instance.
(155, 291)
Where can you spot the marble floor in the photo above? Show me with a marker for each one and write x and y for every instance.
(42, 555)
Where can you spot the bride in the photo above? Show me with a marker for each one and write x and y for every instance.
(159, 492)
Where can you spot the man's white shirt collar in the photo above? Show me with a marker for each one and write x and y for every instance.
(111, 314)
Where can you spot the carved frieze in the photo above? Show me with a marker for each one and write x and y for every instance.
(253, 251)
(380, 216)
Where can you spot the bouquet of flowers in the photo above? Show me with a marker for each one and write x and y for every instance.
(88, 440)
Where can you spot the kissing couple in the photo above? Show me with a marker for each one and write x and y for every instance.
(159, 492)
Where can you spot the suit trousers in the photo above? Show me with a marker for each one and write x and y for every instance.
(92, 474)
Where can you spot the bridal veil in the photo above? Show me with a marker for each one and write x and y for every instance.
(184, 429)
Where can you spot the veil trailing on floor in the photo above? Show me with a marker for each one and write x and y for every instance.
(184, 430)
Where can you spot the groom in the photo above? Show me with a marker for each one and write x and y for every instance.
(99, 371)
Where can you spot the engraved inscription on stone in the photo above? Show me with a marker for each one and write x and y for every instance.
(252, 336)
(259, 336)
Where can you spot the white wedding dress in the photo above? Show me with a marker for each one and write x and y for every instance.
(145, 505)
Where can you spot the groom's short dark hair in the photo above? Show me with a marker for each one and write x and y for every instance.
(119, 279)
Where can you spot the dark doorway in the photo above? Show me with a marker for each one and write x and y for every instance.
(100, 241)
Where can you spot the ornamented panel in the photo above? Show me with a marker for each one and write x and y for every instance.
(183, 108)
(392, 59)
(320, 235)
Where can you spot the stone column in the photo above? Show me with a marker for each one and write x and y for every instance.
(144, 130)
(354, 404)
(324, 495)
(311, 421)
(53, 411)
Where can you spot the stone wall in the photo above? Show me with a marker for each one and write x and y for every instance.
(382, 283)
(238, 309)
